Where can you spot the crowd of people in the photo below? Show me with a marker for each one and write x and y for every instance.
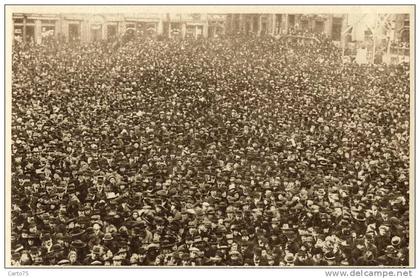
(236, 151)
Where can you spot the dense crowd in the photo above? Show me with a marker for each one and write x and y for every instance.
(217, 152)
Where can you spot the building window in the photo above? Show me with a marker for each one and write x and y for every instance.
(236, 23)
(190, 31)
(319, 26)
(264, 28)
(18, 20)
(405, 36)
(48, 22)
(18, 32)
(74, 31)
(247, 27)
(255, 20)
(200, 31)
(111, 31)
(336, 29)
(30, 33)
(305, 24)
(166, 28)
(151, 28)
(176, 29)
(291, 19)
(96, 32)
(47, 29)
(30, 21)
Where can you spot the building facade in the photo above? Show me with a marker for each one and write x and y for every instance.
(193, 25)
(278, 24)
(87, 27)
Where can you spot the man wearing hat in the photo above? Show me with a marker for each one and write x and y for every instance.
(391, 257)
(302, 259)
(289, 260)
(235, 259)
(95, 255)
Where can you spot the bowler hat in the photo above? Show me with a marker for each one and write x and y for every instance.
(77, 244)
(76, 232)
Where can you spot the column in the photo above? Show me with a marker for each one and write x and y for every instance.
(183, 29)
(328, 25)
(273, 24)
(259, 25)
(38, 31)
(205, 29)
(241, 23)
(313, 22)
(24, 29)
(65, 30)
(228, 23)
(159, 29)
(105, 31)
(169, 30)
(285, 19)
(85, 31)
(57, 27)
(120, 28)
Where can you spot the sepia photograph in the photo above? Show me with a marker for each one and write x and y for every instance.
(209, 136)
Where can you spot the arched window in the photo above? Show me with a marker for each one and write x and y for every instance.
(405, 35)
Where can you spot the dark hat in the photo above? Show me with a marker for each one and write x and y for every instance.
(213, 239)
(34, 249)
(390, 250)
(360, 217)
(185, 256)
(76, 232)
(359, 241)
(59, 236)
(56, 248)
(330, 256)
(45, 237)
(32, 236)
(198, 239)
(167, 243)
(77, 244)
